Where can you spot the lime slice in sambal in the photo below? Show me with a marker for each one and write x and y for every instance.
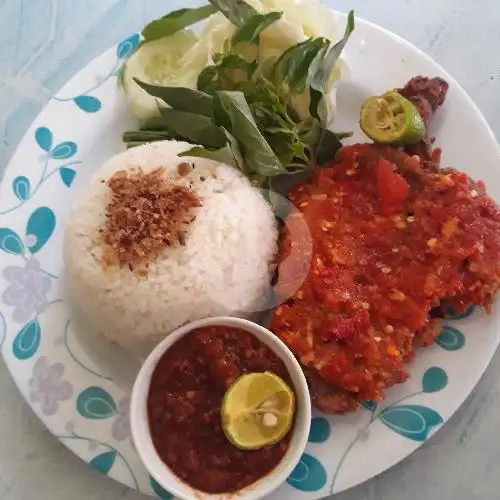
(257, 410)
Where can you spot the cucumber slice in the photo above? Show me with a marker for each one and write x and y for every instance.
(157, 62)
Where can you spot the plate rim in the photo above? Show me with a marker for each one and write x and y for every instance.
(341, 16)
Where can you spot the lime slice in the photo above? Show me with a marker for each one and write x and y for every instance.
(391, 119)
(257, 410)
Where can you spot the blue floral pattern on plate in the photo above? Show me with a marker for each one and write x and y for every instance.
(450, 338)
(89, 103)
(27, 341)
(308, 475)
(25, 189)
(27, 290)
(414, 422)
(48, 388)
(95, 403)
(320, 430)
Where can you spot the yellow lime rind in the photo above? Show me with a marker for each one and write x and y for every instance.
(257, 410)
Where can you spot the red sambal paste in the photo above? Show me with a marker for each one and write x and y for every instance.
(184, 408)
(392, 242)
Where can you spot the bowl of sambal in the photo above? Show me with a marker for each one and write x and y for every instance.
(220, 409)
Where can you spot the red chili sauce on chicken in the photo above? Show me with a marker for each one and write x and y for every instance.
(184, 408)
(395, 240)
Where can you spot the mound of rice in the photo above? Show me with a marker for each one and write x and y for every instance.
(224, 268)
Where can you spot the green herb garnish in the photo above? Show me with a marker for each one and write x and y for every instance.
(176, 21)
(245, 115)
(237, 11)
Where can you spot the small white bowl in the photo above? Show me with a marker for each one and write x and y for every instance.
(140, 425)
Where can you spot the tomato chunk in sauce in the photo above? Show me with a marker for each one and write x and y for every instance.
(184, 404)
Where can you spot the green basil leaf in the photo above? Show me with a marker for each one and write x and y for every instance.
(328, 145)
(299, 150)
(148, 135)
(229, 72)
(317, 106)
(155, 130)
(182, 98)
(237, 11)
(293, 65)
(279, 202)
(250, 30)
(262, 93)
(235, 150)
(310, 131)
(130, 145)
(322, 68)
(282, 144)
(222, 118)
(207, 80)
(343, 135)
(279, 130)
(317, 87)
(156, 123)
(176, 21)
(334, 53)
(234, 61)
(230, 154)
(196, 128)
(322, 142)
(258, 180)
(221, 155)
(221, 115)
(257, 154)
(234, 70)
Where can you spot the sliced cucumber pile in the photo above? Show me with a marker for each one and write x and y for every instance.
(156, 62)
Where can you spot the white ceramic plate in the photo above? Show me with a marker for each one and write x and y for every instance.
(79, 386)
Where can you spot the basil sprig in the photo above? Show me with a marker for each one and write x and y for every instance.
(240, 116)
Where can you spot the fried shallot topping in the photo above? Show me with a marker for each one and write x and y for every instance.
(145, 215)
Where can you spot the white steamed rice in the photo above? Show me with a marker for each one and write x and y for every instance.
(224, 269)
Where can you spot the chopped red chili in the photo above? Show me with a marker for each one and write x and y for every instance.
(184, 402)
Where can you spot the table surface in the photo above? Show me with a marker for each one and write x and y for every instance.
(44, 42)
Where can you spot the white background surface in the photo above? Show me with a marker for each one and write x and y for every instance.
(44, 42)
